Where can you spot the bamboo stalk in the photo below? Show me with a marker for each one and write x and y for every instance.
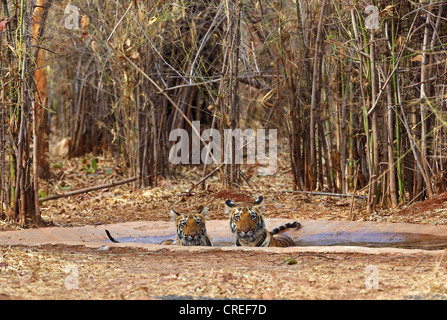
(390, 140)
(423, 96)
(35, 165)
(375, 130)
(312, 160)
(343, 136)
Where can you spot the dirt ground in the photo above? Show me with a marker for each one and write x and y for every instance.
(58, 272)
(65, 272)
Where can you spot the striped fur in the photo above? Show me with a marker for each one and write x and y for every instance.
(286, 226)
(247, 224)
(191, 229)
(110, 237)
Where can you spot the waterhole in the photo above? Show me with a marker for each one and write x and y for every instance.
(432, 243)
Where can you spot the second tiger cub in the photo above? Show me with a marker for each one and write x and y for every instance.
(247, 224)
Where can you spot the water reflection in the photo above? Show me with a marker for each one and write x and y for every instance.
(398, 242)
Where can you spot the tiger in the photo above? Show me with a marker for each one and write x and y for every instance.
(191, 229)
(248, 226)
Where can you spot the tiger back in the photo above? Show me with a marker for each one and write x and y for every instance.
(191, 229)
(248, 226)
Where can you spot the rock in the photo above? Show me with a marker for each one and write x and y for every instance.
(62, 147)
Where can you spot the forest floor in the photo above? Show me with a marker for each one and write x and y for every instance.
(60, 272)
(122, 203)
(132, 273)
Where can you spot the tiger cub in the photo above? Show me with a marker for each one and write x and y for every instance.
(247, 224)
(191, 229)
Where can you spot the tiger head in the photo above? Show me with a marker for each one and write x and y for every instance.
(191, 229)
(247, 221)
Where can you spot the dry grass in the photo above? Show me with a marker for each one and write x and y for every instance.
(129, 273)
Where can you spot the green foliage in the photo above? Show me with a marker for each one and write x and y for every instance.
(91, 168)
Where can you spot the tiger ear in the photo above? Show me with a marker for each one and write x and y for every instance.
(229, 206)
(230, 203)
(174, 214)
(259, 203)
(204, 211)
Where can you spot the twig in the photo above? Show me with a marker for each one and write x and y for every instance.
(204, 178)
(243, 175)
(414, 198)
(192, 84)
(318, 255)
(440, 260)
(76, 192)
(119, 22)
(417, 264)
(356, 176)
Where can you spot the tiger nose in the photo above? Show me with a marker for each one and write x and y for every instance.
(192, 235)
(246, 230)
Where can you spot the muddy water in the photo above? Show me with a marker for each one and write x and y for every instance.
(426, 245)
(312, 233)
(218, 242)
(435, 243)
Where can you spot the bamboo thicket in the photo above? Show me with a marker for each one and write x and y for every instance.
(356, 89)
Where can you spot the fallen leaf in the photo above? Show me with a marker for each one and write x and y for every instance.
(3, 25)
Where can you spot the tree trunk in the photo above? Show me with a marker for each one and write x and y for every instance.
(40, 14)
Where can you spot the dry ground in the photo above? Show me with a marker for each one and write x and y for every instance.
(129, 273)
(132, 273)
